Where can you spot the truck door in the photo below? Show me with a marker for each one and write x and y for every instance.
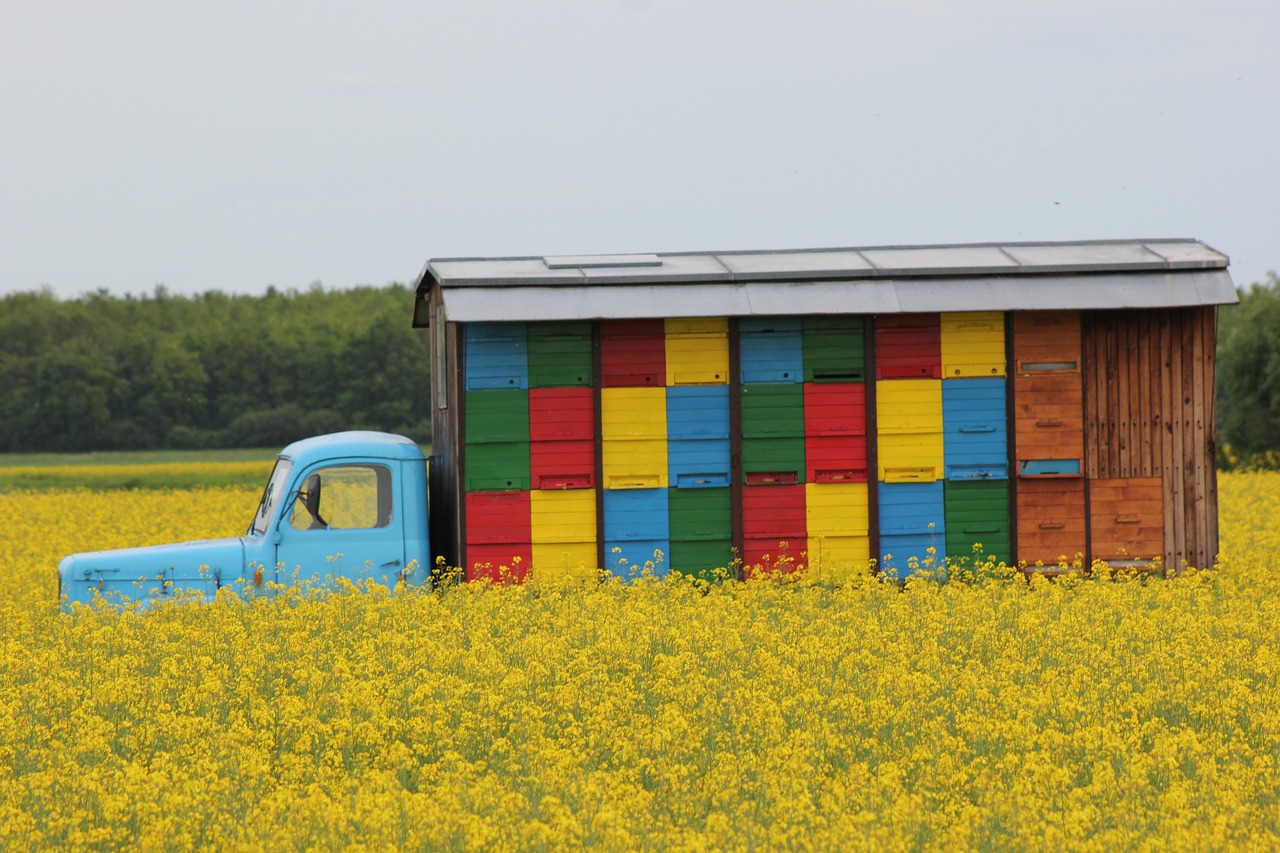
(343, 522)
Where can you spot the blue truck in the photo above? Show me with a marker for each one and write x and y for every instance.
(349, 505)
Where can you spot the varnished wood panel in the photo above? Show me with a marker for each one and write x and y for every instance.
(1049, 417)
(1149, 412)
(1050, 521)
(1043, 338)
(1126, 519)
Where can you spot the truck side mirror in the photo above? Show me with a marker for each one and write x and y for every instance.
(311, 500)
(311, 497)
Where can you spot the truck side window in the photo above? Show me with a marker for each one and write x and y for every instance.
(345, 497)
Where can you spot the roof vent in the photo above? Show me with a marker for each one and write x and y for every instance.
(590, 262)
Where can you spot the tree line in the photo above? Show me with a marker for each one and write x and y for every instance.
(161, 371)
(1249, 377)
(103, 372)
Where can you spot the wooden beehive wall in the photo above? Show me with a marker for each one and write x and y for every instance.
(1047, 424)
(1150, 414)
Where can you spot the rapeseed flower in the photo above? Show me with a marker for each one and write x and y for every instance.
(990, 711)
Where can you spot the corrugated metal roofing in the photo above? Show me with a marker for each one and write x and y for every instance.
(876, 280)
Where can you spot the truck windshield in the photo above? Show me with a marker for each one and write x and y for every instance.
(271, 496)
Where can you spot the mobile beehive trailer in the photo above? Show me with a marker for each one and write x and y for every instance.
(1024, 401)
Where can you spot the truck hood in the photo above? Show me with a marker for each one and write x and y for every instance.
(152, 572)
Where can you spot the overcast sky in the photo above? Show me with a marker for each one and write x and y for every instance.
(233, 145)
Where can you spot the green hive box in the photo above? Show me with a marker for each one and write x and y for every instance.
(560, 355)
(976, 512)
(701, 528)
(497, 466)
(699, 514)
(833, 349)
(782, 456)
(710, 560)
(497, 441)
(497, 416)
(770, 411)
(773, 430)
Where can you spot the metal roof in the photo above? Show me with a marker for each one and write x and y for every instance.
(875, 280)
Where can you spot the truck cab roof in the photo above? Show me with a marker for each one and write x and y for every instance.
(353, 443)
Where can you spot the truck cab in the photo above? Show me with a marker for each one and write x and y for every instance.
(349, 505)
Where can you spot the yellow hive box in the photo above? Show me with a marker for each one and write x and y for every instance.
(838, 557)
(836, 509)
(907, 406)
(973, 344)
(697, 351)
(633, 413)
(837, 518)
(909, 427)
(561, 562)
(562, 515)
(635, 463)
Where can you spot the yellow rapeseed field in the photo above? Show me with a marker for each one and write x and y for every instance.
(1079, 714)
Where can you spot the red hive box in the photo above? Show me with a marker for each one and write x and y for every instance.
(633, 353)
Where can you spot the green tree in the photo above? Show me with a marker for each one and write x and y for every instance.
(1249, 370)
(173, 391)
(72, 389)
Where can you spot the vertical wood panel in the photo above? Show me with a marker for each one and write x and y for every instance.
(1141, 389)
(1186, 475)
(1111, 366)
(1194, 432)
(1094, 405)
(1128, 389)
(1182, 441)
(1200, 405)
(1102, 369)
(1178, 455)
(1165, 436)
(1211, 431)
(1123, 395)
(1149, 371)
(1190, 462)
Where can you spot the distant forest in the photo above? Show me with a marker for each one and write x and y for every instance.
(1249, 378)
(161, 371)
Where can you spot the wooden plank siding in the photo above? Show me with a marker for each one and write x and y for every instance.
(1049, 524)
(1126, 518)
(1050, 520)
(1149, 412)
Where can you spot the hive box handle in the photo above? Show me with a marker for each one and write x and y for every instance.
(564, 481)
(840, 475)
(772, 478)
